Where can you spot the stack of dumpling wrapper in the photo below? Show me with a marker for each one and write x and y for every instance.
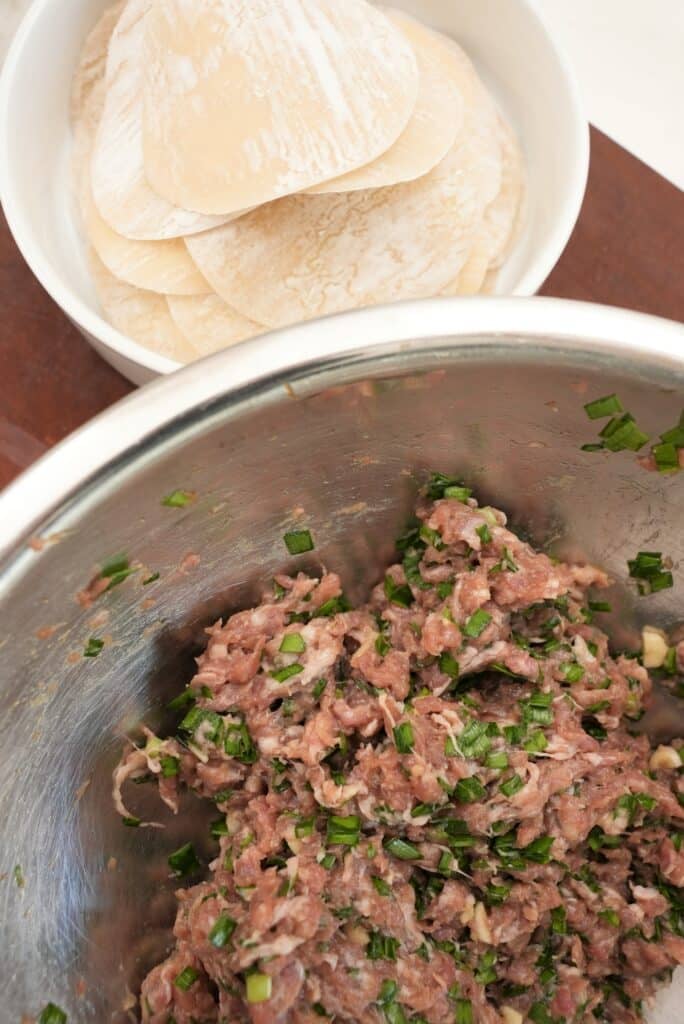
(242, 165)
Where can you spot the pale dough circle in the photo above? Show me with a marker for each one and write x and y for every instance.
(249, 101)
(142, 316)
(165, 266)
(308, 256)
(209, 323)
(92, 60)
(493, 237)
(120, 189)
(434, 125)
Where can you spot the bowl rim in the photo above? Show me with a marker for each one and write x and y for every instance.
(550, 329)
(101, 333)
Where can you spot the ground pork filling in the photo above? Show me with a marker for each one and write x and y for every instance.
(430, 808)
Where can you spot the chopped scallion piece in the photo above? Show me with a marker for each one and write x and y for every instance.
(477, 623)
(239, 744)
(602, 407)
(497, 759)
(484, 533)
(298, 542)
(259, 987)
(463, 1011)
(449, 665)
(382, 645)
(150, 579)
(131, 822)
(186, 979)
(381, 886)
(222, 931)
(382, 947)
(343, 831)
(403, 737)
(281, 675)
(572, 671)
(93, 647)
(388, 992)
(666, 457)
(184, 861)
(305, 827)
(512, 786)
(398, 593)
(52, 1014)
(178, 499)
(600, 606)
(458, 492)
(402, 849)
(318, 689)
(559, 922)
(648, 569)
(468, 791)
(611, 917)
(292, 643)
(536, 742)
(170, 766)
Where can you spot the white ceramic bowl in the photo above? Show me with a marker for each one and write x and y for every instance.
(510, 45)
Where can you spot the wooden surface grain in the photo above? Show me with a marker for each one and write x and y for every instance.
(626, 251)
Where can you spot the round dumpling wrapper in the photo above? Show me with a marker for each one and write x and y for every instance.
(140, 315)
(209, 323)
(246, 102)
(121, 191)
(308, 256)
(434, 124)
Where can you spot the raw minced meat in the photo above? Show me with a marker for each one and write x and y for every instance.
(431, 808)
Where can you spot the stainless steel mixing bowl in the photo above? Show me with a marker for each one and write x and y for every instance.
(333, 425)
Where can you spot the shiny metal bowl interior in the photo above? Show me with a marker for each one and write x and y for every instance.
(334, 425)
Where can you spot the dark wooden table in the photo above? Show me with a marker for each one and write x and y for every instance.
(626, 250)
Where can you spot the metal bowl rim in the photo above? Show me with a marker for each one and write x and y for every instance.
(557, 329)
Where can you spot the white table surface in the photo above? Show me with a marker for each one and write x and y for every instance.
(629, 59)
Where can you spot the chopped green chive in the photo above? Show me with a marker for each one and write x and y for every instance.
(559, 923)
(666, 457)
(382, 947)
(486, 974)
(305, 827)
(449, 665)
(622, 434)
(178, 499)
(259, 987)
(318, 689)
(382, 645)
(183, 700)
(402, 849)
(572, 671)
(281, 675)
(203, 722)
(539, 850)
(611, 917)
(403, 737)
(150, 579)
(536, 709)
(474, 741)
(600, 606)
(497, 894)
(18, 876)
(388, 992)
(186, 979)
(170, 766)
(222, 931)
(343, 831)
(535, 743)
(592, 447)
(514, 734)
(539, 1013)
(218, 828)
(238, 743)
(184, 861)
(381, 886)
(497, 759)
(458, 492)
(463, 1011)
(444, 589)
(648, 569)
(93, 647)
(468, 791)
(398, 593)
(52, 1014)
(131, 822)
(484, 533)
(512, 786)
(298, 542)
(477, 623)
(292, 643)
(602, 407)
